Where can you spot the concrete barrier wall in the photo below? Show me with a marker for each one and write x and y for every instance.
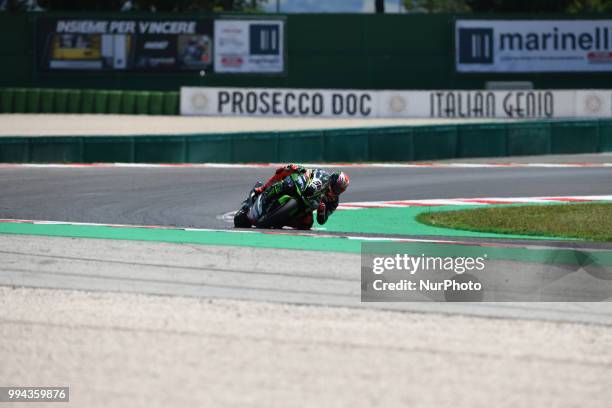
(384, 144)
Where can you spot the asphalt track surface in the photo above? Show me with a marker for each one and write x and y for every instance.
(196, 197)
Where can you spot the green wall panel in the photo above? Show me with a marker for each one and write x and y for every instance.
(300, 147)
(171, 103)
(435, 142)
(254, 147)
(142, 103)
(159, 149)
(605, 135)
(483, 140)
(350, 145)
(6, 100)
(47, 100)
(101, 102)
(88, 98)
(391, 144)
(531, 138)
(33, 100)
(56, 150)
(74, 101)
(335, 145)
(114, 102)
(128, 103)
(156, 103)
(61, 101)
(108, 149)
(20, 100)
(14, 150)
(574, 136)
(209, 149)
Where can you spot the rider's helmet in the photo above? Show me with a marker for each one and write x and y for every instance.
(338, 182)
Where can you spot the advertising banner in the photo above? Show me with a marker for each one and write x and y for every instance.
(480, 104)
(249, 46)
(118, 44)
(279, 102)
(533, 45)
(451, 104)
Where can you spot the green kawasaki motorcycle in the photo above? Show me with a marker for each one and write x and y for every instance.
(284, 202)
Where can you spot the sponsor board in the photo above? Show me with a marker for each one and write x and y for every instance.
(528, 104)
(533, 45)
(477, 104)
(278, 102)
(249, 46)
(121, 44)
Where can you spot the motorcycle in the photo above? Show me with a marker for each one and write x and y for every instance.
(304, 197)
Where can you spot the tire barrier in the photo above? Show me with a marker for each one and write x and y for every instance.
(35, 100)
(383, 144)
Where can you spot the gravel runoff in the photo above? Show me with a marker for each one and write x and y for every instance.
(155, 351)
(118, 125)
(139, 350)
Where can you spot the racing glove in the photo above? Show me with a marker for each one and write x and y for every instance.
(326, 207)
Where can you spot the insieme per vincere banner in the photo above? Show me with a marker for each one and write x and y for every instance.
(124, 44)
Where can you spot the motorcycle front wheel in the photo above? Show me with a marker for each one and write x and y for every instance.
(241, 220)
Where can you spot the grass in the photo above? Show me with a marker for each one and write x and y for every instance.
(592, 221)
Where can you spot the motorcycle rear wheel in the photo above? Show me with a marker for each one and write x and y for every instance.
(280, 217)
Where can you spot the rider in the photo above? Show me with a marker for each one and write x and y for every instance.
(338, 182)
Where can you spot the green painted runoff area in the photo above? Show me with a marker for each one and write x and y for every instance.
(402, 221)
(298, 242)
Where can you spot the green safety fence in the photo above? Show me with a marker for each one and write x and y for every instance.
(101, 102)
(74, 101)
(128, 103)
(6, 100)
(142, 103)
(47, 101)
(435, 142)
(208, 149)
(171, 103)
(382, 144)
(14, 150)
(104, 149)
(88, 98)
(482, 140)
(114, 102)
(156, 103)
(605, 135)
(528, 138)
(61, 101)
(34, 100)
(579, 136)
(19, 101)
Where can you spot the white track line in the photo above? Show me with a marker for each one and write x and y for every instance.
(324, 165)
(474, 201)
